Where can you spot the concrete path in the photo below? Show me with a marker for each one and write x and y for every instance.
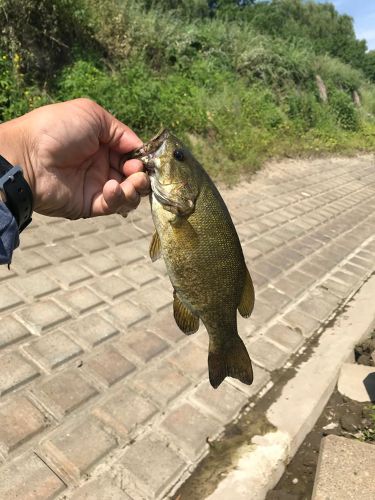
(101, 396)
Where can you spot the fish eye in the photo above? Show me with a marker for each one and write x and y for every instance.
(178, 154)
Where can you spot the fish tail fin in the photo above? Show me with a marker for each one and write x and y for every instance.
(229, 361)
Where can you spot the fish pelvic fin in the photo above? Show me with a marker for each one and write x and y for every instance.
(248, 297)
(187, 322)
(229, 361)
(155, 247)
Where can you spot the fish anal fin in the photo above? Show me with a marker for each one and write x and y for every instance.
(247, 300)
(229, 361)
(155, 247)
(187, 322)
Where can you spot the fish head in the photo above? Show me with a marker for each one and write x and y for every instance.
(173, 172)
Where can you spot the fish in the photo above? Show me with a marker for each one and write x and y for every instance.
(195, 235)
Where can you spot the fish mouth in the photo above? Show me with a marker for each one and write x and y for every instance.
(149, 152)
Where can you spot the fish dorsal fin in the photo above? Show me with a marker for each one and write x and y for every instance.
(155, 247)
(186, 320)
(247, 300)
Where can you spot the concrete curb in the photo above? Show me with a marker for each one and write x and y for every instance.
(301, 402)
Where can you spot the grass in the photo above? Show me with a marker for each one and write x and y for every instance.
(238, 96)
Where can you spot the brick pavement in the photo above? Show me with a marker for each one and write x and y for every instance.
(101, 396)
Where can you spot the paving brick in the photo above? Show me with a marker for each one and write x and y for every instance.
(143, 344)
(109, 366)
(29, 478)
(30, 260)
(262, 245)
(286, 337)
(155, 297)
(69, 274)
(261, 378)
(100, 489)
(339, 288)
(161, 383)
(30, 238)
(35, 286)
(318, 306)
(128, 253)
(313, 270)
(42, 315)
(190, 429)
(290, 288)
(11, 331)
(100, 264)
(345, 277)
(259, 280)
(80, 300)
(8, 298)
(61, 252)
(6, 273)
(15, 372)
(151, 476)
(224, 402)
(125, 411)
(250, 252)
(262, 313)
(64, 392)
(165, 326)
(365, 264)
(53, 233)
(191, 360)
(114, 237)
(81, 226)
(301, 322)
(53, 349)
(266, 354)
(126, 313)
(355, 270)
(111, 287)
(140, 274)
(268, 270)
(89, 244)
(277, 300)
(92, 330)
(20, 421)
(66, 453)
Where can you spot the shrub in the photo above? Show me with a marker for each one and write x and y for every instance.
(347, 115)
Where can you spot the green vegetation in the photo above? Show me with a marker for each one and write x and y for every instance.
(368, 433)
(236, 79)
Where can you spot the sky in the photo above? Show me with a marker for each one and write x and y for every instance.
(363, 13)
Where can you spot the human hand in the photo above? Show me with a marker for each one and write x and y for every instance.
(71, 154)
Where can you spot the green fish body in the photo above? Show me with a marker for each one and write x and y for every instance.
(198, 241)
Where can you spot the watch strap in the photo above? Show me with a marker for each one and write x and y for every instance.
(19, 197)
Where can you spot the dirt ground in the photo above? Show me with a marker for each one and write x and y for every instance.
(342, 417)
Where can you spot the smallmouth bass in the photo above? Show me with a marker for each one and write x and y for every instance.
(198, 241)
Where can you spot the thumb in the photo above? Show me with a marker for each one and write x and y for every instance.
(116, 134)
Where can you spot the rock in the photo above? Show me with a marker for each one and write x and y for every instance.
(357, 382)
(350, 422)
(345, 470)
(365, 359)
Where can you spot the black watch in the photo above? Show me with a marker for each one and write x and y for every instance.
(18, 195)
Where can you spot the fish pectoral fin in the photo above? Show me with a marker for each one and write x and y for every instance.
(155, 247)
(229, 361)
(187, 322)
(247, 300)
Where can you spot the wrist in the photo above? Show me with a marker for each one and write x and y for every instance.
(14, 178)
(13, 147)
